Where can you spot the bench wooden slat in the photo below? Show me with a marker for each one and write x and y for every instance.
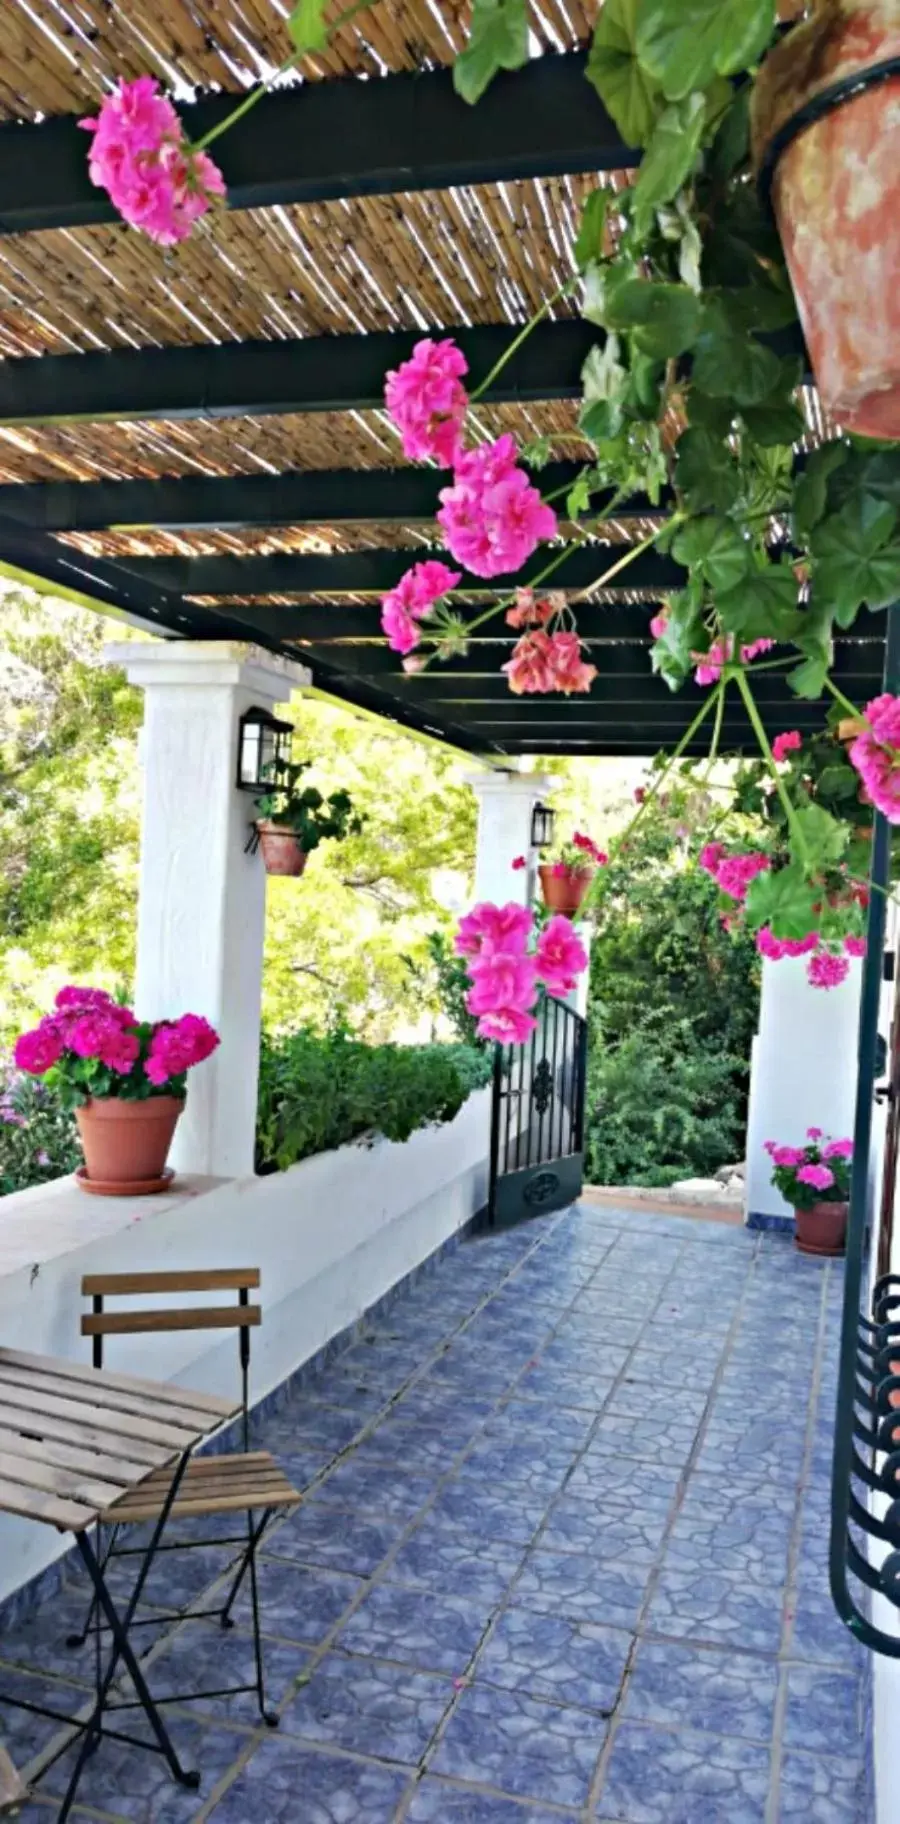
(65, 1482)
(117, 1470)
(178, 1434)
(211, 1485)
(138, 1405)
(33, 1504)
(123, 1383)
(184, 1317)
(84, 1435)
(216, 1279)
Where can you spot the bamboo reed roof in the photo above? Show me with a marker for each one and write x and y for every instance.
(121, 506)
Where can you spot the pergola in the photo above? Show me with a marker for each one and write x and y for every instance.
(197, 438)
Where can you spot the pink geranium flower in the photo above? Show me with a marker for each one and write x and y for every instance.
(414, 597)
(140, 156)
(876, 755)
(786, 1155)
(37, 1051)
(658, 624)
(819, 1176)
(736, 872)
(488, 928)
(786, 744)
(428, 402)
(177, 1045)
(561, 956)
(502, 980)
(710, 664)
(855, 946)
(824, 970)
(569, 672)
(711, 855)
(508, 1025)
(519, 863)
(529, 670)
(492, 516)
(838, 1149)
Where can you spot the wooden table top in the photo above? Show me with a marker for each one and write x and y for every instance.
(74, 1439)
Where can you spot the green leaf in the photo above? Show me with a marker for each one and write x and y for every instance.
(807, 679)
(705, 474)
(810, 489)
(713, 415)
(645, 381)
(627, 92)
(672, 654)
(731, 145)
(856, 558)
(729, 362)
(669, 158)
(763, 606)
(714, 549)
(824, 837)
(785, 901)
(839, 784)
(774, 422)
(664, 319)
(604, 381)
(683, 44)
(306, 26)
(590, 241)
(578, 498)
(498, 40)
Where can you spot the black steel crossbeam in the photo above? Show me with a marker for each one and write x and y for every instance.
(317, 141)
(373, 571)
(298, 497)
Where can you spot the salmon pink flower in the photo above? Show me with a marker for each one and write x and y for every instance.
(428, 402)
(530, 611)
(560, 956)
(786, 744)
(568, 669)
(876, 755)
(529, 670)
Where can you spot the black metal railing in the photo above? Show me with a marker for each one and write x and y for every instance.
(537, 1117)
(865, 1493)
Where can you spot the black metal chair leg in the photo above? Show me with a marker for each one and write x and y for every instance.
(75, 1641)
(269, 1716)
(254, 1536)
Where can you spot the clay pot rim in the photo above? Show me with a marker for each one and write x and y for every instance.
(573, 870)
(273, 828)
(114, 1108)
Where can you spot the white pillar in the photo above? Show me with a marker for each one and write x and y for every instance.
(201, 914)
(505, 804)
(802, 1074)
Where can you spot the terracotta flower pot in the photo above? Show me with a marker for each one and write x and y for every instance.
(281, 849)
(564, 892)
(836, 194)
(822, 1230)
(126, 1144)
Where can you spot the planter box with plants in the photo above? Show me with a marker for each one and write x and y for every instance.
(294, 820)
(815, 1179)
(125, 1079)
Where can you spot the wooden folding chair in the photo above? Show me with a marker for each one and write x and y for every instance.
(244, 1481)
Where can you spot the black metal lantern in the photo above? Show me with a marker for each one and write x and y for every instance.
(543, 824)
(264, 750)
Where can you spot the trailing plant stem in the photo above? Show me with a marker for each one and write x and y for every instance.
(769, 757)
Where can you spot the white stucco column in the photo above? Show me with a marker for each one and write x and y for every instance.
(803, 1071)
(505, 804)
(201, 914)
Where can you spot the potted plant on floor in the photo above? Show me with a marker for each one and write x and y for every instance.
(295, 820)
(815, 1179)
(567, 873)
(125, 1080)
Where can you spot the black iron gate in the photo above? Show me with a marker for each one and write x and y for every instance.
(537, 1118)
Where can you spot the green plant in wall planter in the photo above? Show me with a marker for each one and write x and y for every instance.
(294, 819)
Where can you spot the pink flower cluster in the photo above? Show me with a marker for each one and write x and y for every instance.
(493, 517)
(177, 1045)
(826, 968)
(809, 1164)
(876, 755)
(139, 154)
(590, 848)
(428, 402)
(732, 873)
(710, 664)
(785, 744)
(544, 662)
(414, 597)
(506, 974)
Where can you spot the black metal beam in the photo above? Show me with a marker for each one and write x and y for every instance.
(298, 497)
(625, 655)
(297, 374)
(373, 571)
(350, 137)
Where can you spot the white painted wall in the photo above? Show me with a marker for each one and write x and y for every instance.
(331, 1236)
(803, 1069)
(505, 804)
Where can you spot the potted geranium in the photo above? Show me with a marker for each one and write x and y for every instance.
(815, 1179)
(295, 819)
(567, 873)
(125, 1080)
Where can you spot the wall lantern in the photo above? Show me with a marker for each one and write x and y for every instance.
(543, 824)
(264, 749)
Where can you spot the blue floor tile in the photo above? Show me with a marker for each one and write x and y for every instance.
(680, 1686)
(286, 1781)
(530, 1749)
(437, 1802)
(369, 1707)
(434, 1633)
(657, 1777)
(548, 1656)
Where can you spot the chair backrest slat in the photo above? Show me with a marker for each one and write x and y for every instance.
(182, 1317)
(126, 1285)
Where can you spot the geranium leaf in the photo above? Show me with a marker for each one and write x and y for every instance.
(590, 242)
(808, 678)
(670, 156)
(713, 415)
(683, 44)
(714, 548)
(810, 489)
(763, 605)
(856, 557)
(626, 90)
(824, 837)
(672, 654)
(785, 901)
(306, 25)
(774, 422)
(604, 381)
(705, 473)
(729, 362)
(498, 40)
(664, 319)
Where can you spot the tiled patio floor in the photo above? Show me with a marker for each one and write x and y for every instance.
(562, 1557)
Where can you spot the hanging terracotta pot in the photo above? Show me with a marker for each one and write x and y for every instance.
(822, 1230)
(126, 1145)
(564, 889)
(825, 136)
(280, 847)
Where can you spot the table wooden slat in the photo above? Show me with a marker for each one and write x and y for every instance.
(84, 1436)
(122, 1471)
(37, 1407)
(66, 1482)
(32, 1504)
(124, 1383)
(137, 1405)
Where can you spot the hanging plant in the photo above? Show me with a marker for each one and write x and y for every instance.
(295, 820)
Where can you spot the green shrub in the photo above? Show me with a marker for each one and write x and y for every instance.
(451, 985)
(316, 1092)
(38, 1137)
(661, 1105)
